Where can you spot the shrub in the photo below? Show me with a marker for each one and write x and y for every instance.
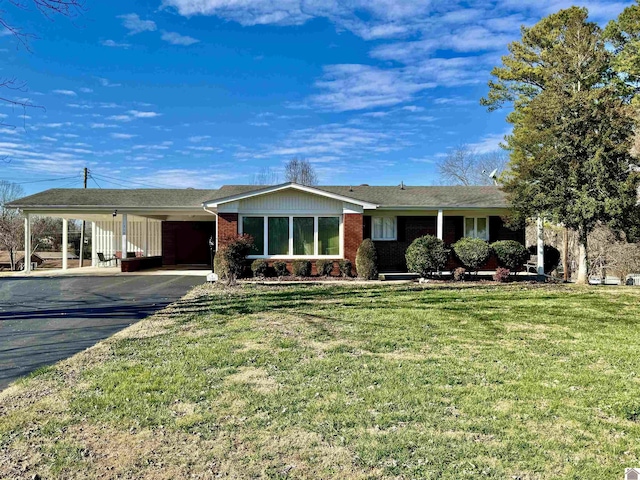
(426, 255)
(259, 268)
(232, 256)
(280, 268)
(551, 257)
(324, 267)
(459, 274)
(501, 275)
(301, 268)
(217, 267)
(472, 252)
(346, 268)
(510, 254)
(367, 260)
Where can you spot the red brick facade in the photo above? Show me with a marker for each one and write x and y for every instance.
(227, 228)
(353, 236)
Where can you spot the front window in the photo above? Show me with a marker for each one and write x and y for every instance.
(286, 236)
(476, 227)
(328, 236)
(303, 235)
(254, 226)
(278, 235)
(384, 228)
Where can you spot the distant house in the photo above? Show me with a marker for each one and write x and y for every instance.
(287, 221)
(55, 256)
(5, 260)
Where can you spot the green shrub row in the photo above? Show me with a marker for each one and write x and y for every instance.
(299, 268)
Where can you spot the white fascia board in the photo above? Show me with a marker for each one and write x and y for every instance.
(287, 186)
(436, 208)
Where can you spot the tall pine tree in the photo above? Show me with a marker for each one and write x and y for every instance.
(572, 128)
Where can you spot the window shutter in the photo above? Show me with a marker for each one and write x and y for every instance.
(402, 229)
(366, 220)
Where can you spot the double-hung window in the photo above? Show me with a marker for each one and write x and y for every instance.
(384, 228)
(476, 227)
(293, 236)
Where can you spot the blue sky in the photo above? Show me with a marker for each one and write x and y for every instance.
(199, 93)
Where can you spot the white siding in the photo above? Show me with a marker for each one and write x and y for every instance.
(108, 236)
(290, 201)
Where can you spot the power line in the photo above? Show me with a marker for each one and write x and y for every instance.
(44, 180)
(94, 180)
(136, 182)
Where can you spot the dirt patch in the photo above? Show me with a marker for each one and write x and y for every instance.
(256, 378)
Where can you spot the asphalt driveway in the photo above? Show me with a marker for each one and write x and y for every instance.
(43, 320)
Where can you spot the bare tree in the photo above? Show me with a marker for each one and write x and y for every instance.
(464, 166)
(266, 176)
(48, 8)
(11, 221)
(300, 171)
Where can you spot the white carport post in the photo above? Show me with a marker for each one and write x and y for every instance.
(27, 243)
(540, 238)
(94, 257)
(65, 243)
(124, 235)
(440, 225)
(146, 237)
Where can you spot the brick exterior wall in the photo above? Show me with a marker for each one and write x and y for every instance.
(227, 228)
(353, 235)
(391, 255)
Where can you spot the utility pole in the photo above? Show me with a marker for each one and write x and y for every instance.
(86, 174)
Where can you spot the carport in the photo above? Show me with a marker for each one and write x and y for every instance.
(169, 226)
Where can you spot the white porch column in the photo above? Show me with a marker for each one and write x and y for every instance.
(94, 257)
(27, 243)
(124, 235)
(146, 237)
(540, 238)
(65, 243)
(440, 225)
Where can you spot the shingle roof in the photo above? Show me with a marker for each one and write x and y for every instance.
(437, 196)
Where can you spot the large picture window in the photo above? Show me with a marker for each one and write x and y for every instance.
(303, 235)
(278, 235)
(476, 227)
(328, 235)
(293, 236)
(384, 228)
(254, 226)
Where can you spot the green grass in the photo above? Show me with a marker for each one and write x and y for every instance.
(345, 381)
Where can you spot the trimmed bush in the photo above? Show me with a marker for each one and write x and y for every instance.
(459, 274)
(346, 268)
(324, 267)
(426, 255)
(280, 268)
(217, 267)
(232, 257)
(301, 268)
(259, 268)
(367, 260)
(551, 257)
(501, 275)
(510, 254)
(472, 252)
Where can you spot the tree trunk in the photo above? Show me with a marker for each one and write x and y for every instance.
(565, 255)
(583, 274)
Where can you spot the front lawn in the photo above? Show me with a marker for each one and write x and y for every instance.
(344, 381)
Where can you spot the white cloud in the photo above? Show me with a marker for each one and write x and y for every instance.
(103, 125)
(489, 143)
(139, 114)
(86, 90)
(198, 138)
(49, 139)
(123, 136)
(113, 43)
(120, 118)
(185, 178)
(356, 87)
(107, 83)
(68, 93)
(175, 38)
(133, 23)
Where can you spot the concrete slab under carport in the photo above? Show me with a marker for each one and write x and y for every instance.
(46, 319)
